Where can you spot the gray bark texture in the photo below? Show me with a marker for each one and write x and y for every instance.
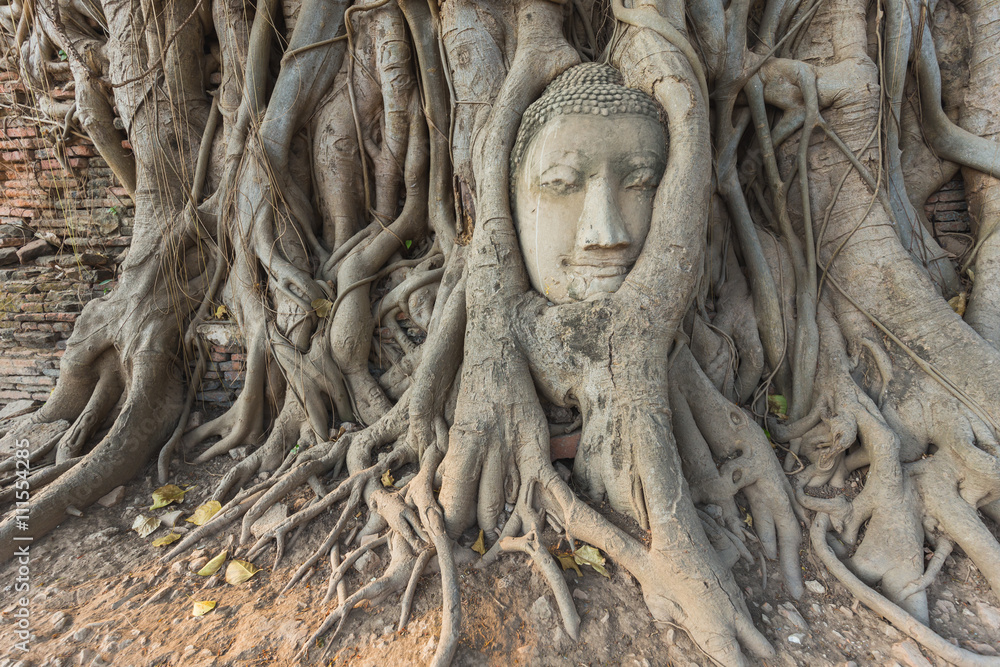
(345, 193)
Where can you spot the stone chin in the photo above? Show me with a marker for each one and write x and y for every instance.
(582, 288)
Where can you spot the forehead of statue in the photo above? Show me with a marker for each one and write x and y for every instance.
(585, 138)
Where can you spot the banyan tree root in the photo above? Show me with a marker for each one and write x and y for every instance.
(348, 194)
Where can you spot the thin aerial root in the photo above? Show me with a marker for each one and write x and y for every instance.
(329, 544)
(510, 529)
(41, 478)
(941, 554)
(228, 515)
(884, 607)
(167, 452)
(285, 485)
(529, 544)
(451, 596)
(339, 587)
(352, 557)
(38, 454)
(385, 584)
(406, 604)
(307, 513)
(279, 549)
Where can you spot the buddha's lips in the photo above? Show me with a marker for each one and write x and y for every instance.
(601, 269)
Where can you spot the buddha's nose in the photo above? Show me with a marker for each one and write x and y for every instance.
(601, 225)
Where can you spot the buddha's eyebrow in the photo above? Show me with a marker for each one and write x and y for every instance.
(562, 155)
(645, 156)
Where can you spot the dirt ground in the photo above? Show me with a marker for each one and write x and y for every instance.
(100, 596)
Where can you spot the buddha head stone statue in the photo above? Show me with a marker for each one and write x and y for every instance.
(585, 166)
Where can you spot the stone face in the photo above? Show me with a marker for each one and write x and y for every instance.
(583, 186)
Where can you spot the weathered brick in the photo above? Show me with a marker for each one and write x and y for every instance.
(81, 151)
(21, 132)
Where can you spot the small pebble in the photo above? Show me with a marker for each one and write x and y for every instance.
(815, 587)
(61, 620)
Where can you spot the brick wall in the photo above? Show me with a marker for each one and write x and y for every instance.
(65, 226)
(948, 210)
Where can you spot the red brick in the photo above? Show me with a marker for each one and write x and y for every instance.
(21, 132)
(29, 142)
(81, 151)
(12, 395)
(11, 193)
(564, 446)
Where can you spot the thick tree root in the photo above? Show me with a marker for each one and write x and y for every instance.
(880, 605)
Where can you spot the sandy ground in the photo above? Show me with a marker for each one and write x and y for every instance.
(99, 595)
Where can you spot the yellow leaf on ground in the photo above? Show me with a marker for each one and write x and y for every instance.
(959, 303)
(168, 539)
(165, 495)
(212, 566)
(777, 405)
(322, 307)
(480, 545)
(144, 525)
(202, 515)
(387, 479)
(239, 571)
(203, 607)
(569, 563)
(221, 312)
(588, 555)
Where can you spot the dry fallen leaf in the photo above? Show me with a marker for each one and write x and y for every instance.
(203, 607)
(480, 545)
(387, 479)
(777, 405)
(322, 307)
(569, 563)
(588, 555)
(212, 566)
(144, 525)
(239, 571)
(205, 512)
(166, 495)
(959, 303)
(168, 539)
(221, 312)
